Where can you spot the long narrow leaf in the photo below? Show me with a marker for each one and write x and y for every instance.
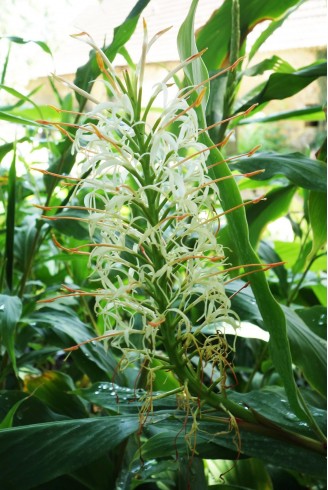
(10, 222)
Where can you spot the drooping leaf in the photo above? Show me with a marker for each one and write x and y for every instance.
(10, 313)
(215, 34)
(275, 63)
(299, 169)
(247, 473)
(20, 40)
(58, 448)
(87, 73)
(283, 85)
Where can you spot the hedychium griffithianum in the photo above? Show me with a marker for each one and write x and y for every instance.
(154, 214)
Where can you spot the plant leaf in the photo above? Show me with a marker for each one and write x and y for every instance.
(58, 448)
(318, 219)
(10, 313)
(20, 40)
(276, 204)
(86, 74)
(299, 170)
(314, 113)
(282, 85)
(195, 71)
(215, 34)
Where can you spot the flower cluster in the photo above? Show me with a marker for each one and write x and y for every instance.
(152, 217)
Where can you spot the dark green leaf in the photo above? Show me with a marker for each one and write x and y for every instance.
(248, 473)
(10, 313)
(300, 170)
(275, 63)
(75, 227)
(46, 451)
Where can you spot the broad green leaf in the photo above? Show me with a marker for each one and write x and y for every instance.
(22, 98)
(10, 313)
(215, 34)
(46, 451)
(299, 169)
(196, 72)
(20, 40)
(318, 218)
(87, 73)
(275, 205)
(4, 116)
(314, 113)
(53, 388)
(282, 85)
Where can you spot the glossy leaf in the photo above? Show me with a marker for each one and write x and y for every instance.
(275, 205)
(315, 318)
(87, 73)
(215, 34)
(58, 448)
(124, 400)
(299, 169)
(10, 313)
(248, 473)
(269, 255)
